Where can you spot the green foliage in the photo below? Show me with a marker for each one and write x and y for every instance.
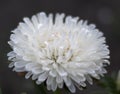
(109, 83)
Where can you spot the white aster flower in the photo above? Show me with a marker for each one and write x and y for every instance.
(58, 51)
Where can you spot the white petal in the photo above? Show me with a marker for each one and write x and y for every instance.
(38, 82)
(29, 23)
(20, 64)
(59, 79)
(37, 70)
(61, 71)
(11, 65)
(75, 78)
(42, 19)
(81, 77)
(59, 19)
(29, 66)
(89, 79)
(34, 77)
(11, 54)
(48, 87)
(49, 80)
(82, 84)
(35, 22)
(18, 69)
(54, 85)
(42, 77)
(67, 81)
(60, 85)
(28, 75)
(53, 73)
(72, 88)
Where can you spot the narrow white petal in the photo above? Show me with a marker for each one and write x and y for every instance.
(67, 81)
(89, 79)
(29, 23)
(54, 85)
(18, 69)
(53, 73)
(29, 66)
(42, 77)
(34, 77)
(49, 80)
(11, 65)
(48, 87)
(82, 84)
(20, 64)
(60, 85)
(59, 79)
(61, 71)
(28, 75)
(38, 82)
(72, 88)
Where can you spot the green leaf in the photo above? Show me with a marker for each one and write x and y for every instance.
(109, 83)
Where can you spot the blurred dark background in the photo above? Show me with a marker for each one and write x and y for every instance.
(104, 13)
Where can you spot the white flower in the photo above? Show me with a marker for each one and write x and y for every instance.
(58, 51)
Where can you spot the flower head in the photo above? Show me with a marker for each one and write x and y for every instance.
(57, 51)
